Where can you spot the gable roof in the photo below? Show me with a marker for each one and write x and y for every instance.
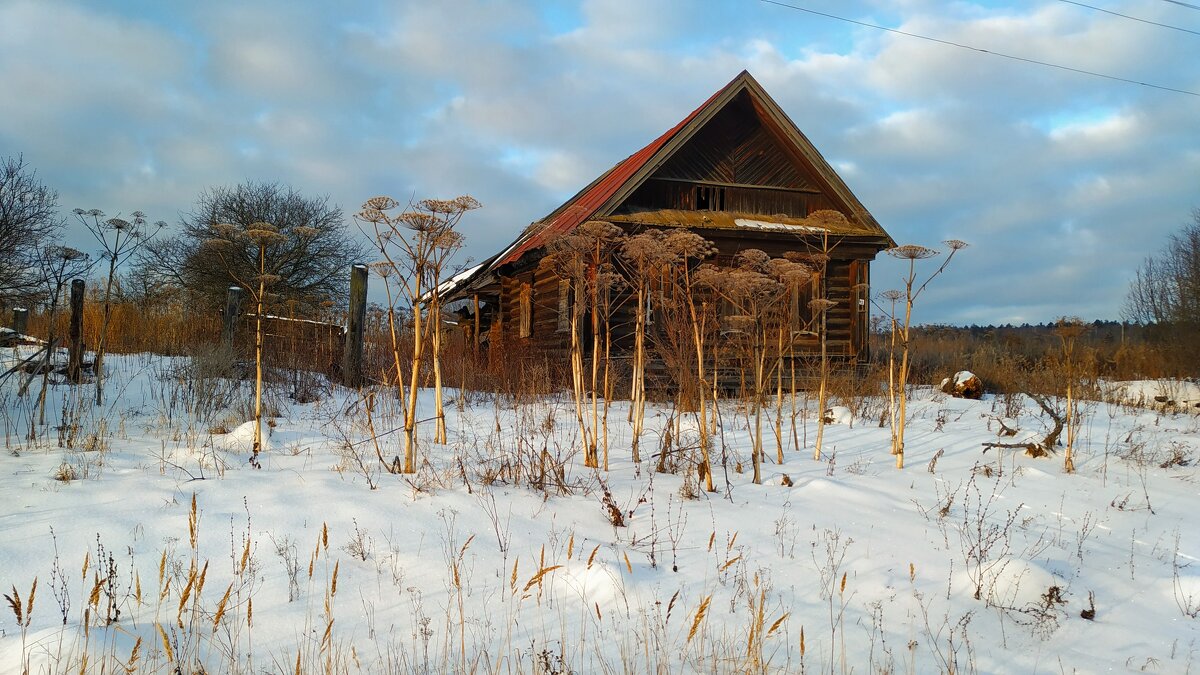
(588, 201)
(605, 194)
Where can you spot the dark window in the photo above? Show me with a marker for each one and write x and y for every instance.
(710, 198)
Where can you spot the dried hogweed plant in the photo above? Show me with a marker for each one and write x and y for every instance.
(417, 245)
(120, 239)
(1068, 330)
(263, 237)
(897, 394)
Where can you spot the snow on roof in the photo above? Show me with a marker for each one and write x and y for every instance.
(752, 224)
(453, 282)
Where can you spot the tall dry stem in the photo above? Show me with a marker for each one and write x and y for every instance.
(912, 254)
(417, 245)
(1068, 330)
(120, 240)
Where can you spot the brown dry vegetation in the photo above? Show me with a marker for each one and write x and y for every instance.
(1018, 359)
(1007, 359)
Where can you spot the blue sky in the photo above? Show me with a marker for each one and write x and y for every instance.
(1061, 182)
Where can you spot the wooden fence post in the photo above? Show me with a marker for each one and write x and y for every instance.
(75, 353)
(353, 352)
(233, 309)
(475, 332)
(20, 320)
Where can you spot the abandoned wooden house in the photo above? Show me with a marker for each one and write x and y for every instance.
(736, 171)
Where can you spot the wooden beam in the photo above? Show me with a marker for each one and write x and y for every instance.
(20, 320)
(475, 301)
(777, 188)
(75, 353)
(352, 356)
(233, 308)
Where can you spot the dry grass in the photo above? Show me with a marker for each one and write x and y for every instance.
(201, 620)
(199, 616)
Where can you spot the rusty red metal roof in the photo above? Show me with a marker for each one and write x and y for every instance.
(581, 207)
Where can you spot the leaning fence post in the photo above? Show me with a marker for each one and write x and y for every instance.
(75, 353)
(20, 320)
(353, 352)
(233, 308)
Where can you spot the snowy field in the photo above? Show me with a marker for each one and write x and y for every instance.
(157, 548)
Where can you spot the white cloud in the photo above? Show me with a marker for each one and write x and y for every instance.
(125, 107)
(1110, 130)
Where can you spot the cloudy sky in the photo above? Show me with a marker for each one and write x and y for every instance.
(1061, 182)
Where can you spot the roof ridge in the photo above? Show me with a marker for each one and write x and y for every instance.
(618, 180)
(575, 211)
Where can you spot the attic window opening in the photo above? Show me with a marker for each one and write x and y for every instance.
(710, 198)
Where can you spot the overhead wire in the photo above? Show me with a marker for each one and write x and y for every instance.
(1184, 4)
(980, 50)
(1131, 18)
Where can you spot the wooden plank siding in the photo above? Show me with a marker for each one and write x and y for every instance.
(846, 320)
(734, 147)
(735, 163)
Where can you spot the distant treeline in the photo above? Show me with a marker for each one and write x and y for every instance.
(1097, 332)
(1112, 349)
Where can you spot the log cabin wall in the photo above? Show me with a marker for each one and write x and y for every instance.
(543, 338)
(549, 338)
(848, 320)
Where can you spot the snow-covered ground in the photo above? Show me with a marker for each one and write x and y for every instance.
(500, 554)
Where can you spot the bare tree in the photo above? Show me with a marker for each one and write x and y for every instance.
(311, 268)
(1166, 288)
(1165, 292)
(28, 218)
